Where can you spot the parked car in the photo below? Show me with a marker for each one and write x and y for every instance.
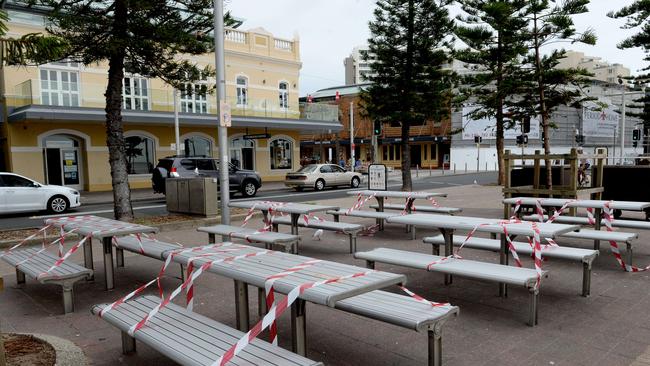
(320, 176)
(246, 182)
(21, 194)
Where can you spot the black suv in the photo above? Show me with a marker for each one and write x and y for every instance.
(245, 181)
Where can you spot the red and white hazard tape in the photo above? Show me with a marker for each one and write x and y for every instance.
(270, 293)
(122, 300)
(608, 219)
(275, 312)
(422, 299)
(41, 230)
(360, 202)
(60, 261)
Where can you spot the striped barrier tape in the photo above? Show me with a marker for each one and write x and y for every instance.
(135, 327)
(41, 230)
(360, 203)
(275, 312)
(422, 299)
(609, 218)
(122, 300)
(60, 261)
(43, 248)
(408, 204)
(270, 293)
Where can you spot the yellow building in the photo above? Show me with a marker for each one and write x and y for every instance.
(52, 128)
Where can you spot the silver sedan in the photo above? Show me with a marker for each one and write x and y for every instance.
(320, 176)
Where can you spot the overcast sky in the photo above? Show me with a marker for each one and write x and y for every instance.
(329, 29)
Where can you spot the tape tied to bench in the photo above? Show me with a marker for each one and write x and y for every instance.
(270, 293)
(422, 299)
(42, 230)
(609, 219)
(360, 202)
(43, 248)
(275, 312)
(195, 274)
(61, 260)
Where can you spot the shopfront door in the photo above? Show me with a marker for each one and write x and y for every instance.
(63, 161)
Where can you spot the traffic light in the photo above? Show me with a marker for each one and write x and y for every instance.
(580, 139)
(636, 135)
(526, 126)
(376, 128)
(635, 143)
(543, 136)
(478, 139)
(522, 139)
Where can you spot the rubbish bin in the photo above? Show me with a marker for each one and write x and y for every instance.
(196, 196)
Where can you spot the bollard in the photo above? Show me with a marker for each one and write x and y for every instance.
(465, 167)
(417, 171)
(454, 168)
(431, 169)
(486, 165)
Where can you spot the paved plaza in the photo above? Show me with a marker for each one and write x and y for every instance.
(611, 327)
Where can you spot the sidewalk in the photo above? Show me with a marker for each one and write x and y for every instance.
(612, 327)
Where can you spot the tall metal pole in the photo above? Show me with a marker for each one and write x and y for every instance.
(176, 123)
(623, 126)
(478, 156)
(220, 68)
(352, 136)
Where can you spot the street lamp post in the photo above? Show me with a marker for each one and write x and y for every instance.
(621, 81)
(220, 68)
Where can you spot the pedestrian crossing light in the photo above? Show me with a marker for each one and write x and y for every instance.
(636, 135)
(376, 128)
(478, 139)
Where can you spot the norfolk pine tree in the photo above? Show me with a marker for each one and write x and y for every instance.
(543, 86)
(637, 15)
(145, 37)
(492, 33)
(409, 45)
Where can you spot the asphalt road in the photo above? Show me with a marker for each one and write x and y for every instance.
(156, 207)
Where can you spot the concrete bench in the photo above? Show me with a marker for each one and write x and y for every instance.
(189, 338)
(352, 230)
(29, 262)
(268, 238)
(584, 256)
(461, 267)
(581, 220)
(429, 209)
(405, 312)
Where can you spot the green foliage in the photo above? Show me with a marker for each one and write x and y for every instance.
(409, 48)
(636, 15)
(32, 48)
(152, 37)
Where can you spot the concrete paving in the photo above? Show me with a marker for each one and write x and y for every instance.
(612, 327)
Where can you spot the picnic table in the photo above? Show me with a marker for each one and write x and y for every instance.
(257, 270)
(596, 205)
(448, 224)
(103, 229)
(410, 198)
(296, 210)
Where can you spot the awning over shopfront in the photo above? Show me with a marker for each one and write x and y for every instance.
(93, 115)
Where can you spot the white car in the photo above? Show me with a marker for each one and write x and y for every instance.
(320, 176)
(21, 194)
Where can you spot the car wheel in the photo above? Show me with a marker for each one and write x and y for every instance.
(355, 182)
(320, 185)
(58, 204)
(298, 189)
(249, 189)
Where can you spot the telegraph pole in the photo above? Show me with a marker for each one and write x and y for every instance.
(352, 135)
(220, 66)
(176, 123)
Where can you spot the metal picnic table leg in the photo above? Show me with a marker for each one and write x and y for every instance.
(119, 257)
(435, 346)
(109, 279)
(598, 213)
(299, 327)
(380, 208)
(449, 249)
(261, 302)
(88, 258)
(212, 239)
(503, 259)
(241, 305)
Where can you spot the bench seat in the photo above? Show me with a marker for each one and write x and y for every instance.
(350, 229)
(460, 267)
(151, 248)
(31, 263)
(403, 311)
(581, 220)
(269, 238)
(361, 213)
(430, 209)
(584, 256)
(189, 338)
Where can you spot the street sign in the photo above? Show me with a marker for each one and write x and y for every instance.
(256, 136)
(377, 177)
(225, 118)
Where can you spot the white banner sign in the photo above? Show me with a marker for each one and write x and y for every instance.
(486, 128)
(599, 123)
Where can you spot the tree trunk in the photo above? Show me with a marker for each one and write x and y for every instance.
(114, 129)
(499, 115)
(407, 183)
(542, 107)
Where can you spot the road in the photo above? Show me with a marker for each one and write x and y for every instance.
(156, 207)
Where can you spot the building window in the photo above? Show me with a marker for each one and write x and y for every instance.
(434, 152)
(242, 90)
(197, 146)
(385, 152)
(242, 153)
(136, 93)
(139, 155)
(60, 88)
(425, 150)
(281, 153)
(284, 95)
(194, 97)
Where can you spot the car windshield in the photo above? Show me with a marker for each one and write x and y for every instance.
(308, 168)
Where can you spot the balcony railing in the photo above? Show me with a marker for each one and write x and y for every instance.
(91, 95)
